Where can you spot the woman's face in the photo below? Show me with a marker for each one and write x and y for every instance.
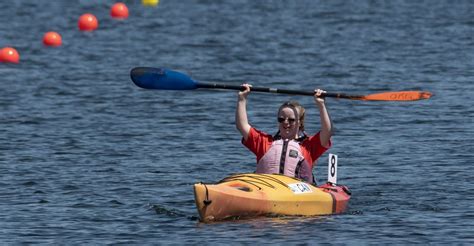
(287, 123)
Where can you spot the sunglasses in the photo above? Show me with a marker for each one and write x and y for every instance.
(290, 120)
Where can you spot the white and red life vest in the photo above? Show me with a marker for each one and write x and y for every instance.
(285, 157)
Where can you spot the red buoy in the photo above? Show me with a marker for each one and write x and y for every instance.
(119, 11)
(88, 22)
(9, 54)
(52, 39)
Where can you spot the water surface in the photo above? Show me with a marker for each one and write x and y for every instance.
(87, 157)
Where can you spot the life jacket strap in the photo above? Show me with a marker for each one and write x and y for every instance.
(283, 156)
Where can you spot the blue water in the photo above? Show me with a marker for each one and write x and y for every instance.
(86, 157)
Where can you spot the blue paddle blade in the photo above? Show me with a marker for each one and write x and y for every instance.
(161, 79)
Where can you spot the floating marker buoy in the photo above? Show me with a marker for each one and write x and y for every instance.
(52, 39)
(88, 22)
(152, 3)
(119, 11)
(9, 54)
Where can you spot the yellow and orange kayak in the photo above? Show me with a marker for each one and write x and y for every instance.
(249, 195)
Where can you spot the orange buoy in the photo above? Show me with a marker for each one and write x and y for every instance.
(88, 22)
(119, 11)
(52, 39)
(9, 54)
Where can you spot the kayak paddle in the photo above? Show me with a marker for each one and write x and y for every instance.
(166, 79)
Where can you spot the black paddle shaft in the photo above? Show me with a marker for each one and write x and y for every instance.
(271, 90)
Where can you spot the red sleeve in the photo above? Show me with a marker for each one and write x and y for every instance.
(258, 142)
(314, 147)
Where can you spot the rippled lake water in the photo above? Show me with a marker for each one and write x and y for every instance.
(88, 158)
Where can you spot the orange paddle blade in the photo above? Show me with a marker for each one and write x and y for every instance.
(398, 96)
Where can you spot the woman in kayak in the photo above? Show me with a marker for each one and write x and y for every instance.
(290, 152)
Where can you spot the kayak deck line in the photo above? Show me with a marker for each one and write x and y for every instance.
(206, 201)
(257, 179)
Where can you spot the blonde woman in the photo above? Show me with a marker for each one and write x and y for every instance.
(290, 151)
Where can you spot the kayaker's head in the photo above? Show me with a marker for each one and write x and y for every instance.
(290, 120)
